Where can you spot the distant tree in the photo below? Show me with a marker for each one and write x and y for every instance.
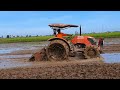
(93, 32)
(26, 35)
(108, 31)
(8, 36)
(29, 35)
(36, 35)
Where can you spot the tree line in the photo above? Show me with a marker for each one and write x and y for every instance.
(13, 36)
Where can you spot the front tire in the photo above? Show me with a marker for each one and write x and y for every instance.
(91, 52)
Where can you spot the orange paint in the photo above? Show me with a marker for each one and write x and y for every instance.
(60, 35)
(81, 39)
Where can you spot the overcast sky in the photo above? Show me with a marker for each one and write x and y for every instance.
(36, 22)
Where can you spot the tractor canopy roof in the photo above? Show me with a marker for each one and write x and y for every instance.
(62, 25)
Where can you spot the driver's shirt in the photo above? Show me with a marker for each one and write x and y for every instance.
(60, 35)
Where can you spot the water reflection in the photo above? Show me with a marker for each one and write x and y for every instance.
(111, 57)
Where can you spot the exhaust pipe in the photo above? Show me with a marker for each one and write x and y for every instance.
(80, 30)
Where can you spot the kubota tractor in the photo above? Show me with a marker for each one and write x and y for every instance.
(59, 48)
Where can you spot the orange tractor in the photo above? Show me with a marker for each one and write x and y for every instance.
(60, 48)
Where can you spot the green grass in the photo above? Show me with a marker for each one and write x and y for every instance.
(45, 38)
(105, 35)
(24, 39)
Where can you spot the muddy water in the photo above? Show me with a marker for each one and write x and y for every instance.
(11, 64)
(108, 41)
(15, 56)
(8, 48)
(9, 61)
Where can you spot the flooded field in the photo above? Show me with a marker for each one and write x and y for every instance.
(14, 63)
(109, 41)
(8, 48)
(17, 54)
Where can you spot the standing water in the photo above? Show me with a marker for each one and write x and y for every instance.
(111, 57)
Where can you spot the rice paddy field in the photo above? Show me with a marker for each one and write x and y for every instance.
(15, 64)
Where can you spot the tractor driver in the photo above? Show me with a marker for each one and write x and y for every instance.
(61, 35)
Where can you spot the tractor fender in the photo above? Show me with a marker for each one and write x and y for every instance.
(51, 39)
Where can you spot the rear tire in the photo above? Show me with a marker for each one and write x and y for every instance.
(57, 50)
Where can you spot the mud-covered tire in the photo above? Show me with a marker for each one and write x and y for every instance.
(72, 54)
(57, 50)
(91, 52)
